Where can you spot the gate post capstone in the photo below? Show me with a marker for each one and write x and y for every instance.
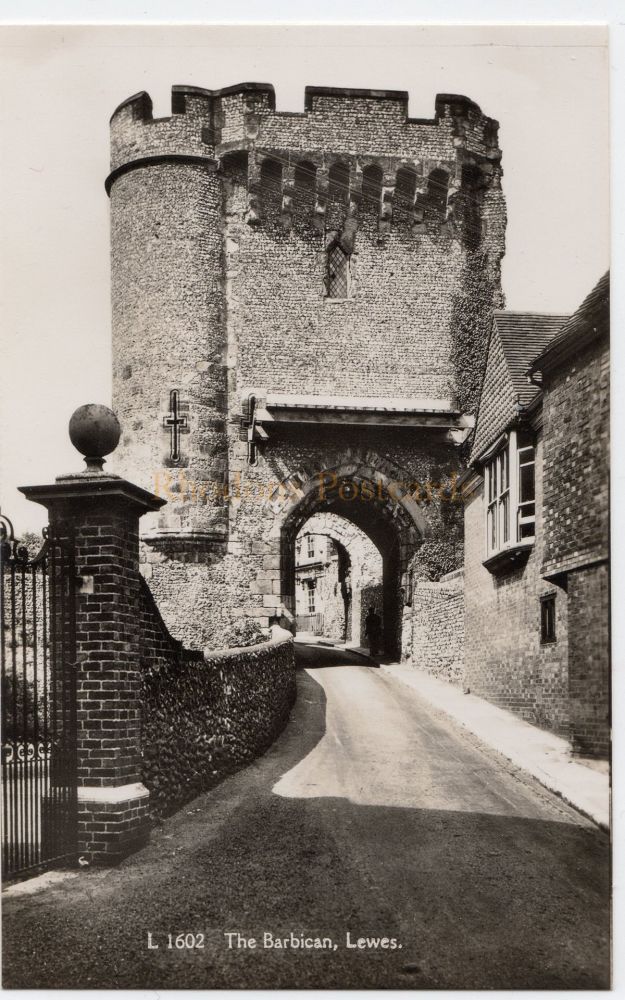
(99, 514)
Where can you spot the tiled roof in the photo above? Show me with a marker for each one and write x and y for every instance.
(591, 319)
(523, 337)
(515, 341)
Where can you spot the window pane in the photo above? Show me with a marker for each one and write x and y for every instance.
(524, 439)
(505, 517)
(492, 529)
(527, 510)
(526, 521)
(493, 480)
(505, 476)
(526, 483)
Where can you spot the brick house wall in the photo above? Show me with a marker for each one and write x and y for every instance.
(504, 659)
(589, 661)
(564, 685)
(577, 425)
(576, 407)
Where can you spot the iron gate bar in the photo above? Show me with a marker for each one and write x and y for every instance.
(25, 774)
(39, 736)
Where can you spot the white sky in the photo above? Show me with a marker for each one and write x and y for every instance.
(547, 86)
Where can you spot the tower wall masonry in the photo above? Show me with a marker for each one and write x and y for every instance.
(221, 218)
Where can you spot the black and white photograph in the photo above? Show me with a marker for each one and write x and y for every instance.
(304, 506)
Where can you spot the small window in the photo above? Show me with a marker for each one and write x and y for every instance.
(311, 546)
(337, 274)
(311, 597)
(548, 618)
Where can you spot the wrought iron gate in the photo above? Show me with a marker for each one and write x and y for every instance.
(37, 647)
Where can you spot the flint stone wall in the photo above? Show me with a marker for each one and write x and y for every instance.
(438, 629)
(205, 715)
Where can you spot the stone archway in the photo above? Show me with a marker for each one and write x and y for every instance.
(376, 503)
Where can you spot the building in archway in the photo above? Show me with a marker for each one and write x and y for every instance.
(338, 577)
(319, 597)
(301, 308)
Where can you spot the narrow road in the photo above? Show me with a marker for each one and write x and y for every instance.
(373, 816)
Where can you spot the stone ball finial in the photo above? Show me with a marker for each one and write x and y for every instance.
(94, 430)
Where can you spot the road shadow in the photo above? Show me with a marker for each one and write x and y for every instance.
(318, 655)
(477, 901)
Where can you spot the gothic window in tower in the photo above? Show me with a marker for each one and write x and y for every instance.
(337, 272)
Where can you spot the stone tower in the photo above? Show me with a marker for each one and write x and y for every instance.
(169, 323)
(297, 295)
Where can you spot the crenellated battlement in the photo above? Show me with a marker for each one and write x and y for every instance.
(360, 125)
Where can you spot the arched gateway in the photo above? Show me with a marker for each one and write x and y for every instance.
(381, 507)
(301, 305)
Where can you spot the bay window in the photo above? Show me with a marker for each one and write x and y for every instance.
(510, 493)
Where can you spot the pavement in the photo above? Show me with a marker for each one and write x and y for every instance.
(547, 757)
(380, 842)
(584, 784)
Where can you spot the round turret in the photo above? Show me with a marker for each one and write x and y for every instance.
(169, 381)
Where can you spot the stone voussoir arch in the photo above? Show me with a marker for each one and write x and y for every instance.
(303, 491)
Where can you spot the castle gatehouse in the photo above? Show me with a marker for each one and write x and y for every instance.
(301, 310)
